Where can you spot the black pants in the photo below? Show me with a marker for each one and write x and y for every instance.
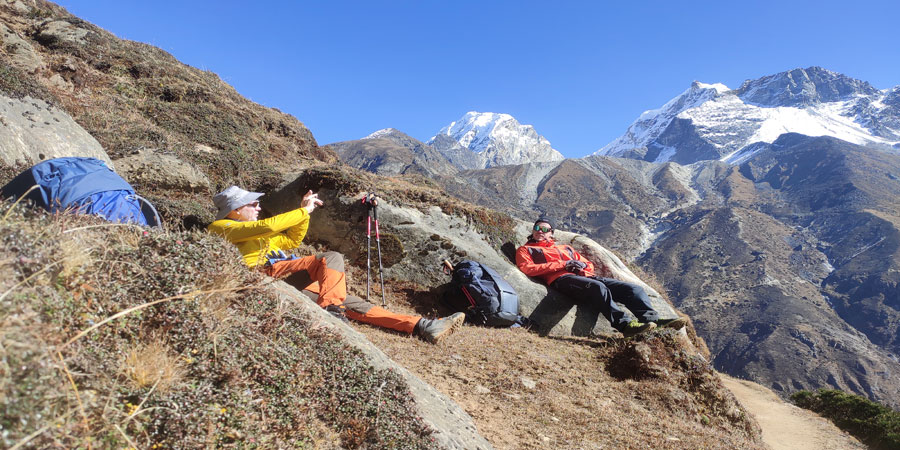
(606, 292)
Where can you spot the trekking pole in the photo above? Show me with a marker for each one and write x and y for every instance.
(365, 201)
(378, 245)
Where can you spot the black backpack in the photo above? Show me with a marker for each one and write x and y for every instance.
(481, 293)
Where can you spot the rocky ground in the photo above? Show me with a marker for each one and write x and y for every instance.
(526, 391)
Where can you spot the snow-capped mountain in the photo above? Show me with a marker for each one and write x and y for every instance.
(713, 122)
(497, 140)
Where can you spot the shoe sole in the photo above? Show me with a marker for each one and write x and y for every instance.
(677, 324)
(458, 319)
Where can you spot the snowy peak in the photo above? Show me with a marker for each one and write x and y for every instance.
(712, 122)
(803, 87)
(498, 139)
(384, 132)
(651, 124)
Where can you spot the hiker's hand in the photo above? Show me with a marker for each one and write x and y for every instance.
(310, 202)
(575, 266)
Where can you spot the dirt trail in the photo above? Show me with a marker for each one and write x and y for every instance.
(785, 426)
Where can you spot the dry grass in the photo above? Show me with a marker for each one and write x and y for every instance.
(113, 338)
(154, 364)
(76, 254)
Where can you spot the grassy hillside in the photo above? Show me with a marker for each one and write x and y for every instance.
(114, 337)
(200, 353)
(131, 96)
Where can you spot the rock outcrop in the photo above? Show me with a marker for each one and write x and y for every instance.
(32, 130)
(149, 168)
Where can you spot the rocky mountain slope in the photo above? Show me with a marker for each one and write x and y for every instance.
(790, 239)
(713, 122)
(496, 140)
(246, 363)
(787, 262)
(392, 152)
(476, 141)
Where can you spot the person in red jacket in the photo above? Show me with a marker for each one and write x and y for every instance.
(263, 243)
(564, 269)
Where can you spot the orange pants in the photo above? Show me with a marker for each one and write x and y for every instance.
(322, 275)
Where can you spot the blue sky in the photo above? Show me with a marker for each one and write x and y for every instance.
(580, 72)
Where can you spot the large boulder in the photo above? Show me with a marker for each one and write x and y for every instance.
(57, 33)
(415, 240)
(33, 130)
(453, 427)
(150, 168)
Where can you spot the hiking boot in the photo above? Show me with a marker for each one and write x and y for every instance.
(433, 330)
(676, 323)
(338, 311)
(635, 328)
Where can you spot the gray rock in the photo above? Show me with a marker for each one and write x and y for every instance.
(453, 427)
(151, 168)
(32, 131)
(20, 52)
(58, 33)
(17, 5)
(528, 383)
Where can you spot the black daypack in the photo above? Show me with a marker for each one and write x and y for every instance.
(485, 297)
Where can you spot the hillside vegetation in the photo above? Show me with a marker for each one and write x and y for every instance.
(114, 336)
(876, 425)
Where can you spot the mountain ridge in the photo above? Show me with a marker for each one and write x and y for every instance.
(713, 122)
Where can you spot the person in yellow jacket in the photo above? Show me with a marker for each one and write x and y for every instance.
(263, 244)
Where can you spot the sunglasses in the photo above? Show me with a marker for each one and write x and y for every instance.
(543, 229)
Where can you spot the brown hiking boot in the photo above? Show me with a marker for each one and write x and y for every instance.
(433, 330)
(635, 328)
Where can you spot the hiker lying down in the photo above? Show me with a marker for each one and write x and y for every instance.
(263, 244)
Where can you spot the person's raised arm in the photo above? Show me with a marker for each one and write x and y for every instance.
(236, 231)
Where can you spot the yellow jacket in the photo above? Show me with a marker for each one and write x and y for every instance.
(256, 239)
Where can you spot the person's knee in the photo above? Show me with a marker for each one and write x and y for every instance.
(358, 305)
(638, 291)
(333, 260)
(598, 288)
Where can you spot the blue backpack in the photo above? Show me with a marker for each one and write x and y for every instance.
(485, 297)
(83, 186)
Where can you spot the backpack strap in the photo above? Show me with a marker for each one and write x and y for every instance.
(147, 206)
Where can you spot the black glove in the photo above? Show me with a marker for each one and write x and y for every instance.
(575, 266)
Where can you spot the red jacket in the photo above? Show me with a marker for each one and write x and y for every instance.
(547, 260)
